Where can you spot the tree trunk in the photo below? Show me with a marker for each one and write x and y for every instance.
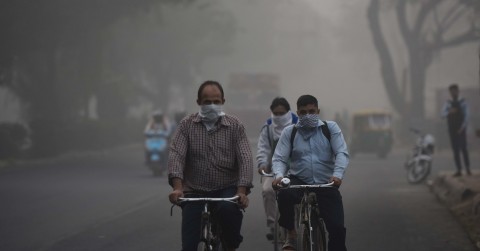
(386, 63)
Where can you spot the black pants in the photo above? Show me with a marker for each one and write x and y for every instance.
(331, 210)
(227, 214)
(459, 144)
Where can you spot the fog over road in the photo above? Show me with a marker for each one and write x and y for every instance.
(109, 201)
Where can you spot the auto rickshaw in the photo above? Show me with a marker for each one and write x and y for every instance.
(371, 133)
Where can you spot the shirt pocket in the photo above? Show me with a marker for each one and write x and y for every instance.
(323, 150)
(224, 155)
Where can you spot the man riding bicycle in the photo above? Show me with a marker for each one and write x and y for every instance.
(210, 156)
(318, 154)
(269, 135)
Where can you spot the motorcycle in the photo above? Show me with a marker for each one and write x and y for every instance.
(156, 146)
(419, 161)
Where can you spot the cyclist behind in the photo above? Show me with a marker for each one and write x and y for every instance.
(269, 135)
(317, 155)
(157, 124)
(210, 156)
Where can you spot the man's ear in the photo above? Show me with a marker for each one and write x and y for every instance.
(318, 112)
(198, 101)
(223, 101)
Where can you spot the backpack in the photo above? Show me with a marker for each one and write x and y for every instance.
(325, 131)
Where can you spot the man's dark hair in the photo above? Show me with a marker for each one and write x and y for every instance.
(453, 86)
(306, 100)
(209, 82)
(280, 101)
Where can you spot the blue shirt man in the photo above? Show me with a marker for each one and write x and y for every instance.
(457, 113)
(313, 159)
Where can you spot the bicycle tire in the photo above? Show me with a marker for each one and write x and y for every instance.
(414, 176)
(319, 234)
(279, 234)
(303, 238)
(202, 246)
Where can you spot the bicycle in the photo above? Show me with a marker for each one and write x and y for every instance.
(311, 234)
(279, 233)
(211, 237)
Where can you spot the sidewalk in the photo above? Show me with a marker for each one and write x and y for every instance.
(461, 195)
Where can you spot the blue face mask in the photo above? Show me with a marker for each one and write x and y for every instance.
(308, 120)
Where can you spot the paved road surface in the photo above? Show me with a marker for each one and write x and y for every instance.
(111, 202)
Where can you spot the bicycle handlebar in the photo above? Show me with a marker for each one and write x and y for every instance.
(307, 186)
(285, 183)
(230, 199)
(267, 174)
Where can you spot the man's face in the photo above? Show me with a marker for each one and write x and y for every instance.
(279, 110)
(211, 95)
(454, 93)
(308, 109)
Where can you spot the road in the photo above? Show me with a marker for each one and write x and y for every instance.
(109, 201)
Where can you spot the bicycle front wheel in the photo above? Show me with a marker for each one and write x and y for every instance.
(202, 246)
(319, 236)
(318, 240)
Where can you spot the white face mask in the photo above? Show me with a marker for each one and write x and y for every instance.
(280, 122)
(211, 113)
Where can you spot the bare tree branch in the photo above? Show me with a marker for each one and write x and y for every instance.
(422, 15)
(469, 36)
(386, 63)
(449, 21)
(402, 22)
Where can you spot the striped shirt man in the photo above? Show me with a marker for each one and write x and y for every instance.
(208, 160)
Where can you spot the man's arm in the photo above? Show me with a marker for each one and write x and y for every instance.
(281, 156)
(339, 148)
(264, 150)
(445, 110)
(176, 162)
(245, 165)
(466, 116)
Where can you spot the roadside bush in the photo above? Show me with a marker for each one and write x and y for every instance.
(13, 138)
(51, 140)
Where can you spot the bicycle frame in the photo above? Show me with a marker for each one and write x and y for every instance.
(279, 233)
(211, 239)
(306, 206)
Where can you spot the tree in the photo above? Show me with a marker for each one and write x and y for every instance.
(427, 27)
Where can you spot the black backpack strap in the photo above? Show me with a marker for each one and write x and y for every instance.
(292, 137)
(326, 131)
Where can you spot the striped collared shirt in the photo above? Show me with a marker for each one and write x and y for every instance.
(210, 160)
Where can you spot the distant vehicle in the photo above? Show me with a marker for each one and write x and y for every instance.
(156, 145)
(372, 133)
(250, 98)
(419, 161)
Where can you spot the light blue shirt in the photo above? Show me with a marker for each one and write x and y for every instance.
(314, 160)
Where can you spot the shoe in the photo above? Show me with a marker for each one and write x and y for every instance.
(469, 173)
(457, 174)
(270, 235)
(290, 244)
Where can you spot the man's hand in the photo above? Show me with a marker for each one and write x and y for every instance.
(452, 110)
(275, 183)
(265, 169)
(336, 181)
(242, 200)
(173, 197)
(242, 197)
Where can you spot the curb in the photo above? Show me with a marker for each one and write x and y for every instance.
(461, 195)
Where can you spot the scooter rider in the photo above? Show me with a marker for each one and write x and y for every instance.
(157, 125)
